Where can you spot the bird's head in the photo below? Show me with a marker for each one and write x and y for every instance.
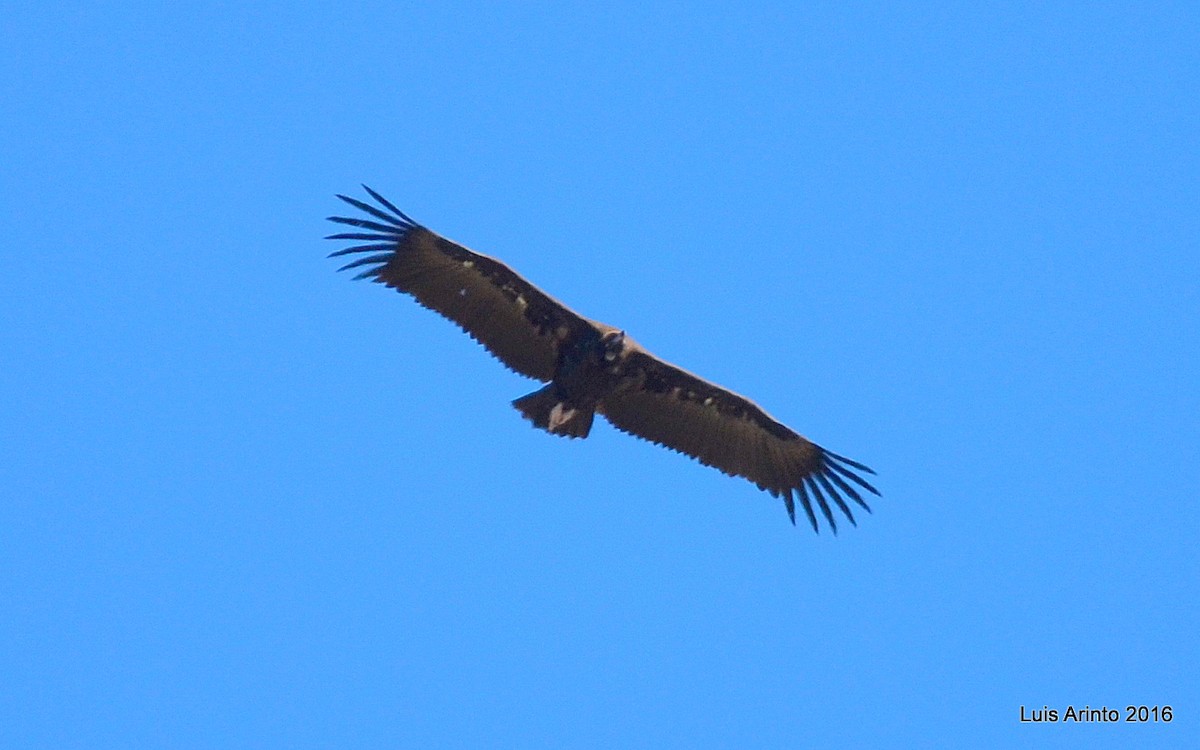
(612, 344)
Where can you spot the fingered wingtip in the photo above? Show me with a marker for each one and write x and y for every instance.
(849, 461)
(834, 462)
(397, 220)
(389, 205)
(377, 260)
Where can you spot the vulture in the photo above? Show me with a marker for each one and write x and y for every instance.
(592, 368)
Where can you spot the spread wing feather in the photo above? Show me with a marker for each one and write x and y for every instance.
(719, 428)
(517, 322)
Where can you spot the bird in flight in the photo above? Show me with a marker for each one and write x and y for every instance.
(592, 368)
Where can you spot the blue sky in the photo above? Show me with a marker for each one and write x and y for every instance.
(247, 503)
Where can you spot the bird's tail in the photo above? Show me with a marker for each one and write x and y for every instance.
(547, 410)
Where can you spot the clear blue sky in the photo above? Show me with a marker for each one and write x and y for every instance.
(247, 503)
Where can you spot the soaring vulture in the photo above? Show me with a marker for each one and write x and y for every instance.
(591, 367)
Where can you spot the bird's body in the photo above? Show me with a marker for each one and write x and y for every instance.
(588, 371)
(590, 367)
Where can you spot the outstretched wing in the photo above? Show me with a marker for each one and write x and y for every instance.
(517, 322)
(719, 428)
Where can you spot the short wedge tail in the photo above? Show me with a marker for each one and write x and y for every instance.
(547, 410)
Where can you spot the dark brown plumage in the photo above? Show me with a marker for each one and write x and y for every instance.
(590, 367)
